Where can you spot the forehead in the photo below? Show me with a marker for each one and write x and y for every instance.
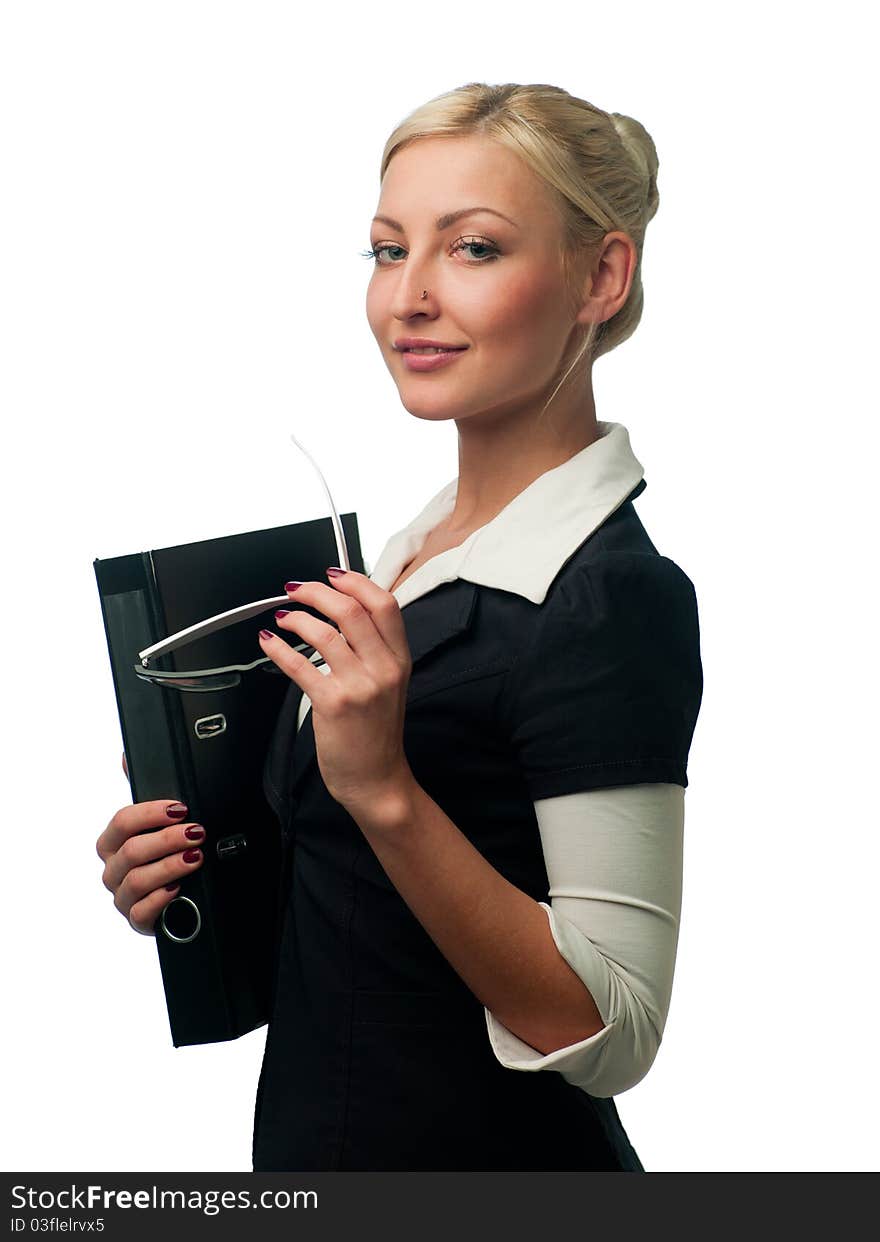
(434, 175)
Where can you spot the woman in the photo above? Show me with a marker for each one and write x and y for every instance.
(507, 704)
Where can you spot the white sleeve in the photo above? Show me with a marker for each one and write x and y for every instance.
(614, 863)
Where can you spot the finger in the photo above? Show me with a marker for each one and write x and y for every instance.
(135, 818)
(379, 603)
(125, 766)
(355, 623)
(296, 666)
(142, 881)
(148, 847)
(144, 914)
(326, 640)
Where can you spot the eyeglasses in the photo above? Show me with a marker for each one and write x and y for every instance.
(204, 680)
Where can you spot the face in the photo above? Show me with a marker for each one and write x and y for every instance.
(495, 285)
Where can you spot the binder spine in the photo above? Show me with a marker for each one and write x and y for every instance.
(160, 765)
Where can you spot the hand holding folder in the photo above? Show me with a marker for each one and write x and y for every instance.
(147, 848)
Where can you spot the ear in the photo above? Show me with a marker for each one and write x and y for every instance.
(609, 279)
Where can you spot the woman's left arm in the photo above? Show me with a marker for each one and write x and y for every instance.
(496, 937)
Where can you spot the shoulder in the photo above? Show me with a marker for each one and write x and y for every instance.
(607, 686)
(618, 625)
(619, 598)
(630, 585)
(618, 569)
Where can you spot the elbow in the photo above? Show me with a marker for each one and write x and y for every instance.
(627, 1056)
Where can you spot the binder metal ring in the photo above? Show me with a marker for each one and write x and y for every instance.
(170, 934)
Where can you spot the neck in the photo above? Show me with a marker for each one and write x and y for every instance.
(501, 452)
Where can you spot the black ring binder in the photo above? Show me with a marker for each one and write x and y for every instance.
(218, 981)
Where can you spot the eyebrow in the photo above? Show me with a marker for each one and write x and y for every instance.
(443, 222)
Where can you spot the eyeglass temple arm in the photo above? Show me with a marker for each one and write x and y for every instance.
(341, 545)
(222, 619)
(210, 625)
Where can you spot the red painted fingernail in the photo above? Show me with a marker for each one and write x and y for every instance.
(282, 612)
(195, 833)
(172, 888)
(335, 572)
(191, 856)
(266, 634)
(292, 586)
(176, 810)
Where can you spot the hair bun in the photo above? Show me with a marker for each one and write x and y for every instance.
(639, 145)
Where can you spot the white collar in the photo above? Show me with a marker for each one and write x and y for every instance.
(523, 547)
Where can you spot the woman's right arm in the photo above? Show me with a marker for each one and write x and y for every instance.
(146, 848)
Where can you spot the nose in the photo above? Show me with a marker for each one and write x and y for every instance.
(407, 301)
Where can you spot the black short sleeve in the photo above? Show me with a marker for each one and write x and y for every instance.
(608, 688)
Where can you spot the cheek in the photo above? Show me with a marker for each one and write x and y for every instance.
(522, 312)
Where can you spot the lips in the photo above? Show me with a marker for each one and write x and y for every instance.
(411, 344)
(414, 360)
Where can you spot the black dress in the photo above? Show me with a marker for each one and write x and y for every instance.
(377, 1055)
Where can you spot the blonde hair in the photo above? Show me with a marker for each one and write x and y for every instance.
(600, 168)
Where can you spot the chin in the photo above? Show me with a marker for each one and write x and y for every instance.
(432, 416)
(431, 408)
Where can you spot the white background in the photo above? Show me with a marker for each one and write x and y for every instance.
(186, 189)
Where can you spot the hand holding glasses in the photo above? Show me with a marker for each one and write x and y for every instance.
(203, 680)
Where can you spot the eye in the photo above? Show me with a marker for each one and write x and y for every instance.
(477, 243)
(377, 250)
(463, 243)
